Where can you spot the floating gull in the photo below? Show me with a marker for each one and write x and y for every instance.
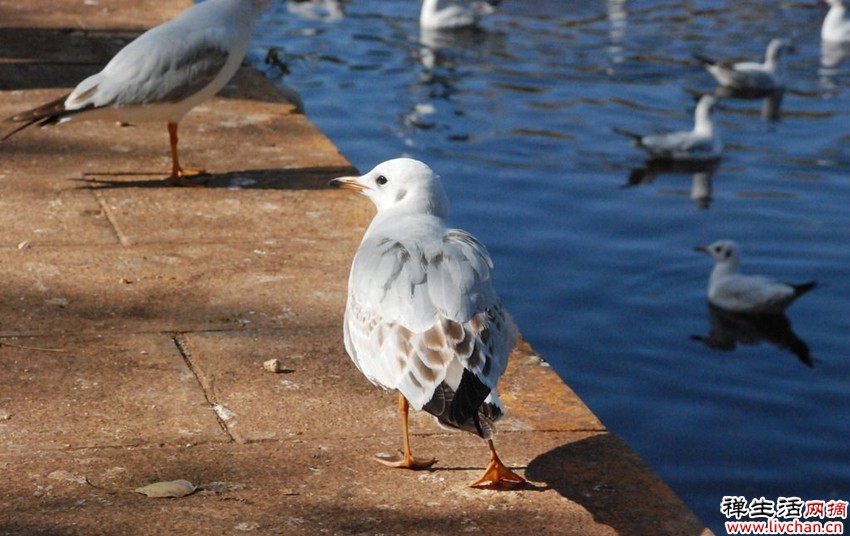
(835, 28)
(454, 14)
(752, 294)
(750, 75)
(162, 74)
(422, 316)
(700, 144)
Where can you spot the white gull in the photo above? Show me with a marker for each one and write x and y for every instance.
(700, 144)
(422, 315)
(752, 294)
(162, 74)
(750, 75)
(836, 27)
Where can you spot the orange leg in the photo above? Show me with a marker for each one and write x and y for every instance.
(178, 174)
(497, 475)
(405, 459)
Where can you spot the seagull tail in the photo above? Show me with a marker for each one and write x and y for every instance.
(633, 135)
(703, 59)
(45, 114)
(803, 288)
(466, 408)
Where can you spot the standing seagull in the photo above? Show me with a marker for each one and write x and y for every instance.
(162, 74)
(750, 75)
(422, 316)
(701, 144)
(454, 14)
(835, 28)
(753, 294)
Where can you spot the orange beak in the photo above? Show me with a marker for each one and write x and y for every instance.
(347, 183)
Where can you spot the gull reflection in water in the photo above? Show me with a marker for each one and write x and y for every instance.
(771, 100)
(442, 54)
(700, 183)
(617, 14)
(323, 10)
(832, 55)
(441, 48)
(729, 329)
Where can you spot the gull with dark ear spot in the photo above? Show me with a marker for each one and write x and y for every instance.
(752, 294)
(161, 75)
(422, 316)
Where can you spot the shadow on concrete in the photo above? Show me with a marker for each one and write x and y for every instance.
(39, 57)
(603, 475)
(310, 178)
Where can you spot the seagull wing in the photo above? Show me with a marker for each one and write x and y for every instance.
(423, 317)
(751, 293)
(160, 66)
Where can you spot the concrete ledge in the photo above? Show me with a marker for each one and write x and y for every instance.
(135, 317)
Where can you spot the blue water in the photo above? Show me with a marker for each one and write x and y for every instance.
(602, 278)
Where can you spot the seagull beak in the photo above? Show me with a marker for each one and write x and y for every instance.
(701, 249)
(347, 183)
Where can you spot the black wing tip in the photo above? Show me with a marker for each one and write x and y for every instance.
(46, 114)
(629, 134)
(802, 288)
(703, 59)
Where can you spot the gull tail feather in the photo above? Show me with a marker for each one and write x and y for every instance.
(45, 114)
(704, 59)
(465, 409)
(803, 288)
(629, 134)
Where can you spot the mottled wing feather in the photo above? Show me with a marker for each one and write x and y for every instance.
(420, 312)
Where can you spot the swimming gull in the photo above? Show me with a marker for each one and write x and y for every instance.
(835, 28)
(422, 316)
(750, 75)
(754, 294)
(698, 145)
(162, 74)
(454, 14)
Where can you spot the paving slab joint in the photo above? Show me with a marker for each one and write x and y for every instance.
(206, 388)
(113, 223)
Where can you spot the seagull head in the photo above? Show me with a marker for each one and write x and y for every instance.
(403, 184)
(723, 251)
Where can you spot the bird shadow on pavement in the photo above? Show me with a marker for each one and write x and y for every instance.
(307, 178)
(605, 477)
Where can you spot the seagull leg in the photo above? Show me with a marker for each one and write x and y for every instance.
(179, 174)
(497, 475)
(405, 459)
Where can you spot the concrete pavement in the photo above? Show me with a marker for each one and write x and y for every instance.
(135, 318)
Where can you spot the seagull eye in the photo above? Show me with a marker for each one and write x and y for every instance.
(381, 180)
